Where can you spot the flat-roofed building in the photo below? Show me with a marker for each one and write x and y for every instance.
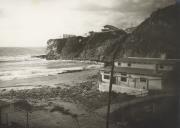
(136, 76)
(68, 35)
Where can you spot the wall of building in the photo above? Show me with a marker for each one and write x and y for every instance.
(103, 77)
(165, 67)
(104, 87)
(68, 35)
(152, 83)
(155, 84)
(145, 66)
(135, 65)
(135, 81)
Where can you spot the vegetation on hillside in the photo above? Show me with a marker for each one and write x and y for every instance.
(156, 35)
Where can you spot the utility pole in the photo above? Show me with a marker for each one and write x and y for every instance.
(7, 121)
(109, 96)
(0, 117)
(111, 79)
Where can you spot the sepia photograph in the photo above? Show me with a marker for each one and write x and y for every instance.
(89, 63)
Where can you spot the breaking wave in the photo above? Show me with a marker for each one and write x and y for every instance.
(35, 72)
(19, 58)
(21, 67)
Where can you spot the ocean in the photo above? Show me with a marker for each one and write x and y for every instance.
(18, 67)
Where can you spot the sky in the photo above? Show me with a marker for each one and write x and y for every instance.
(30, 23)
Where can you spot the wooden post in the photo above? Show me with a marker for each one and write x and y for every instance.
(27, 119)
(109, 97)
(110, 83)
(0, 117)
(154, 107)
(135, 83)
(147, 84)
(122, 115)
(77, 121)
(128, 81)
(7, 122)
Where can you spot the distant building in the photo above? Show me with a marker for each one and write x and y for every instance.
(136, 76)
(108, 28)
(91, 33)
(68, 35)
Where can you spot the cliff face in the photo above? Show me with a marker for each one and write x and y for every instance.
(65, 48)
(94, 47)
(99, 46)
(156, 35)
(159, 34)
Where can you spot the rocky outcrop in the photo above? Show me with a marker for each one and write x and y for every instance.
(65, 48)
(97, 46)
(101, 45)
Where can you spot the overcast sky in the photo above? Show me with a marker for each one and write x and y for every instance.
(32, 22)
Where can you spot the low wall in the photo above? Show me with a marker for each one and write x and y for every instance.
(104, 87)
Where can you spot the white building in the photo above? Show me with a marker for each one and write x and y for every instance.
(68, 35)
(136, 76)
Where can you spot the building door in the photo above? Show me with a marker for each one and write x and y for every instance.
(143, 83)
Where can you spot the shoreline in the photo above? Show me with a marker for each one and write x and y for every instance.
(54, 80)
(79, 96)
(52, 72)
(77, 91)
(71, 60)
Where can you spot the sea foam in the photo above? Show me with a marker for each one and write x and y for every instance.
(35, 72)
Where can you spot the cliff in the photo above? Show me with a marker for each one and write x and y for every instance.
(100, 46)
(65, 48)
(97, 46)
(159, 34)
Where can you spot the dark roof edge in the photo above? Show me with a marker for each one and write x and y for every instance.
(136, 71)
(148, 60)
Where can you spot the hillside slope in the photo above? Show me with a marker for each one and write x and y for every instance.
(159, 34)
(100, 46)
(156, 35)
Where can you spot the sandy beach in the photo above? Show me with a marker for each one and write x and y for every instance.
(76, 92)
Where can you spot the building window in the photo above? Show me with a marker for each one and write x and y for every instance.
(129, 64)
(124, 79)
(123, 74)
(106, 77)
(119, 63)
(143, 79)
